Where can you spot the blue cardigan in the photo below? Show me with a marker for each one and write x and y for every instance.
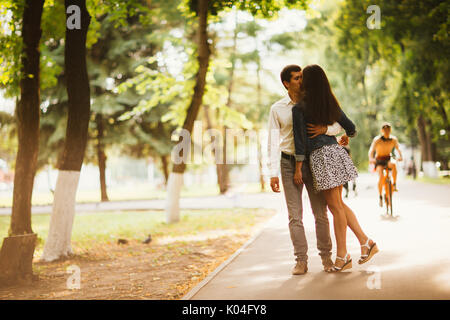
(304, 145)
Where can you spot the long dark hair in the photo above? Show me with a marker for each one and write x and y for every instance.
(322, 106)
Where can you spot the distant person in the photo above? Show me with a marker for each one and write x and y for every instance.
(280, 125)
(330, 165)
(380, 155)
(411, 168)
(346, 185)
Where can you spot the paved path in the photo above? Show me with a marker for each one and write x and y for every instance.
(414, 261)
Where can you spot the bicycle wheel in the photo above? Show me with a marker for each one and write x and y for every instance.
(386, 194)
(386, 200)
(390, 197)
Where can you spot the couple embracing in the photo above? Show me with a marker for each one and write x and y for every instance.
(303, 128)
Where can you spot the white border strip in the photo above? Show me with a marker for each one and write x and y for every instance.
(213, 274)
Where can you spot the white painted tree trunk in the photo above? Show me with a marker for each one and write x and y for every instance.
(173, 197)
(60, 232)
(429, 169)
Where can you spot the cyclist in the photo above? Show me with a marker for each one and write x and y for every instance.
(382, 146)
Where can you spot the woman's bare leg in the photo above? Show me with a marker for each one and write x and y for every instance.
(353, 224)
(332, 197)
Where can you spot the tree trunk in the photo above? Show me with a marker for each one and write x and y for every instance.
(165, 168)
(259, 105)
(440, 102)
(16, 259)
(261, 175)
(430, 143)
(101, 157)
(58, 241)
(16, 263)
(216, 153)
(428, 160)
(425, 139)
(176, 176)
(223, 170)
(421, 136)
(364, 87)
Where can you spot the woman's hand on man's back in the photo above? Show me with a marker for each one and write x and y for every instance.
(316, 129)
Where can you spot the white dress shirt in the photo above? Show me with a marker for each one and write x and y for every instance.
(281, 137)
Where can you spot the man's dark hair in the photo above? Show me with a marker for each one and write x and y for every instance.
(285, 74)
(322, 106)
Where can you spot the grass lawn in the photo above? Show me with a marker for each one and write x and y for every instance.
(179, 256)
(93, 229)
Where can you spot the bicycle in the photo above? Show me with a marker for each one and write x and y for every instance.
(388, 189)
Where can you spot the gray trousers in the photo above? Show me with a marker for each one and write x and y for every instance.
(293, 195)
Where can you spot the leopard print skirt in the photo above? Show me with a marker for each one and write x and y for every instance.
(331, 167)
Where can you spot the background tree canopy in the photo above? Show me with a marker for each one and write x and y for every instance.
(141, 57)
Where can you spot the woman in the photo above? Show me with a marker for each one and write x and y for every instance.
(330, 164)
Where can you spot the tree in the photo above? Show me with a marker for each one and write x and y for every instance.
(223, 175)
(121, 42)
(258, 114)
(111, 61)
(413, 46)
(17, 251)
(106, 60)
(176, 176)
(58, 241)
(203, 8)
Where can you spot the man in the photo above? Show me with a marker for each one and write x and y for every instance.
(382, 146)
(281, 140)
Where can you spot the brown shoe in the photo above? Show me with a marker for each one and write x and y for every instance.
(327, 264)
(300, 268)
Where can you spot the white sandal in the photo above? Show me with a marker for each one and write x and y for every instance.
(373, 249)
(347, 265)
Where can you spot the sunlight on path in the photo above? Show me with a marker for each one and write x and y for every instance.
(413, 261)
